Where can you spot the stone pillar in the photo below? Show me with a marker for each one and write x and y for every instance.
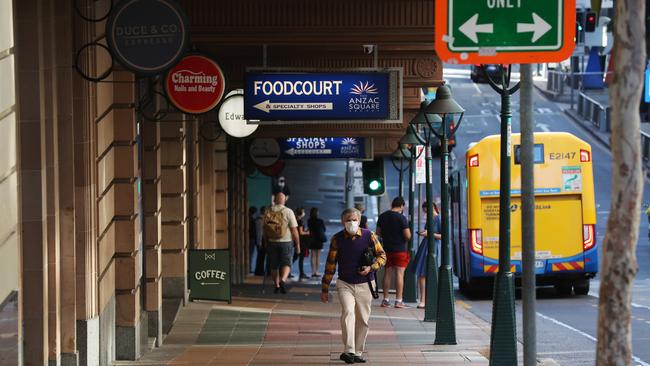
(119, 228)
(62, 27)
(152, 227)
(31, 172)
(220, 166)
(207, 184)
(174, 215)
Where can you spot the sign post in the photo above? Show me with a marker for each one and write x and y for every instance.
(210, 274)
(504, 31)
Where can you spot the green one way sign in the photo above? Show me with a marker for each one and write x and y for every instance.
(504, 31)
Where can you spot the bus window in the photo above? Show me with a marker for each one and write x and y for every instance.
(538, 154)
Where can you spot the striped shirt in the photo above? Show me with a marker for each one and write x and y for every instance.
(332, 256)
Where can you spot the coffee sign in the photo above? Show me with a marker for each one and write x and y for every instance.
(195, 85)
(147, 36)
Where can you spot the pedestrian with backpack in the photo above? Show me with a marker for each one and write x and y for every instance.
(281, 232)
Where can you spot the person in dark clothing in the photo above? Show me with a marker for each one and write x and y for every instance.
(352, 286)
(261, 247)
(252, 235)
(364, 219)
(304, 241)
(316, 240)
(394, 230)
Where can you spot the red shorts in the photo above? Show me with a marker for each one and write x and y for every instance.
(397, 259)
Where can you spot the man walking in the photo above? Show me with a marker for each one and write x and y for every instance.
(347, 248)
(394, 230)
(280, 231)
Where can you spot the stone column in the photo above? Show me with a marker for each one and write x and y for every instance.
(174, 215)
(220, 166)
(152, 226)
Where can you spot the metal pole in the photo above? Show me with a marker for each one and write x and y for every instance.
(528, 216)
(573, 81)
(503, 340)
(446, 322)
(431, 296)
(400, 188)
(349, 177)
(410, 280)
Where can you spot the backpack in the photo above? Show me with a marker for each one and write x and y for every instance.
(274, 225)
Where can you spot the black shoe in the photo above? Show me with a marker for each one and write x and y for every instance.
(275, 290)
(283, 288)
(304, 276)
(359, 359)
(347, 357)
(290, 275)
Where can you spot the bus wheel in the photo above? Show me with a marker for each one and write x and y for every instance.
(563, 289)
(581, 287)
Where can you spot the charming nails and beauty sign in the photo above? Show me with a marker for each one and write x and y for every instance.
(195, 85)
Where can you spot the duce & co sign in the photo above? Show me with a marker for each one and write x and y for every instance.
(285, 96)
(195, 85)
(147, 36)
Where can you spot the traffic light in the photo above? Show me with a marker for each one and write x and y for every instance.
(373, 177)
(590, 22)
(580, 26)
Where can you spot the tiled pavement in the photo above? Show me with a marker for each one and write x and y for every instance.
(297, 329)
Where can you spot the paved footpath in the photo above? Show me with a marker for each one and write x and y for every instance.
(297, 329)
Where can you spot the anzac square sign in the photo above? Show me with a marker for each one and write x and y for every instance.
(322, 96)
(147, 36)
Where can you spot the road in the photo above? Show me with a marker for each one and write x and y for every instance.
(566, 326)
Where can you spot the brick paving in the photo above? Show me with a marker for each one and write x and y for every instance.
(297, 329)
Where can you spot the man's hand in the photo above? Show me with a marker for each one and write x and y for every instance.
(298, 249)
(324, 297)
(365, 270)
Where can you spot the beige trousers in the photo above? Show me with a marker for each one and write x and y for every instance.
(355, 311)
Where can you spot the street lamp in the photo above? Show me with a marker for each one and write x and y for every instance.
(426, 121)
(445, 106)
(407, 149)
(400, 155)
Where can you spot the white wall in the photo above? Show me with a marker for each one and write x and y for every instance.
(9, 259)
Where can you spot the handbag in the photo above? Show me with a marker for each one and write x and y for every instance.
(368, 258)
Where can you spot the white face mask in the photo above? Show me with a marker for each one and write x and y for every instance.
(352, 227)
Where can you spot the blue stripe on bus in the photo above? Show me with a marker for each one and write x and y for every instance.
(518, 191)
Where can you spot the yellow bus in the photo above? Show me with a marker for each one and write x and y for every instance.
(566, 254)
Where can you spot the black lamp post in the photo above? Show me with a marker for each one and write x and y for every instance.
(426, 121)
(400, 155)
(407, 148)
(445, 106)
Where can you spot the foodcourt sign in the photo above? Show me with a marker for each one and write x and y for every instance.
(310, 96)
(195, 85)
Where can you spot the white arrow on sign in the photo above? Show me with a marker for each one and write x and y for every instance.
(210, 283)
(294, 152)
(470, 28)
(267, 106)
(539, 27)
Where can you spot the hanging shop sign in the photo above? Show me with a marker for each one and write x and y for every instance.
(231, 117)
(147, 36)
(264, 152)
(195, 85)
(210, 274)
(323, 148)
(322, 96)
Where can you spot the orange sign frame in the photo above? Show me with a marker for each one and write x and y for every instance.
(488, 55)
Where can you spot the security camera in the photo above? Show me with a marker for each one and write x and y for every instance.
(368, 48)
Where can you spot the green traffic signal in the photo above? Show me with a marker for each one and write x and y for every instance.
(373, 177)
(374, 185)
